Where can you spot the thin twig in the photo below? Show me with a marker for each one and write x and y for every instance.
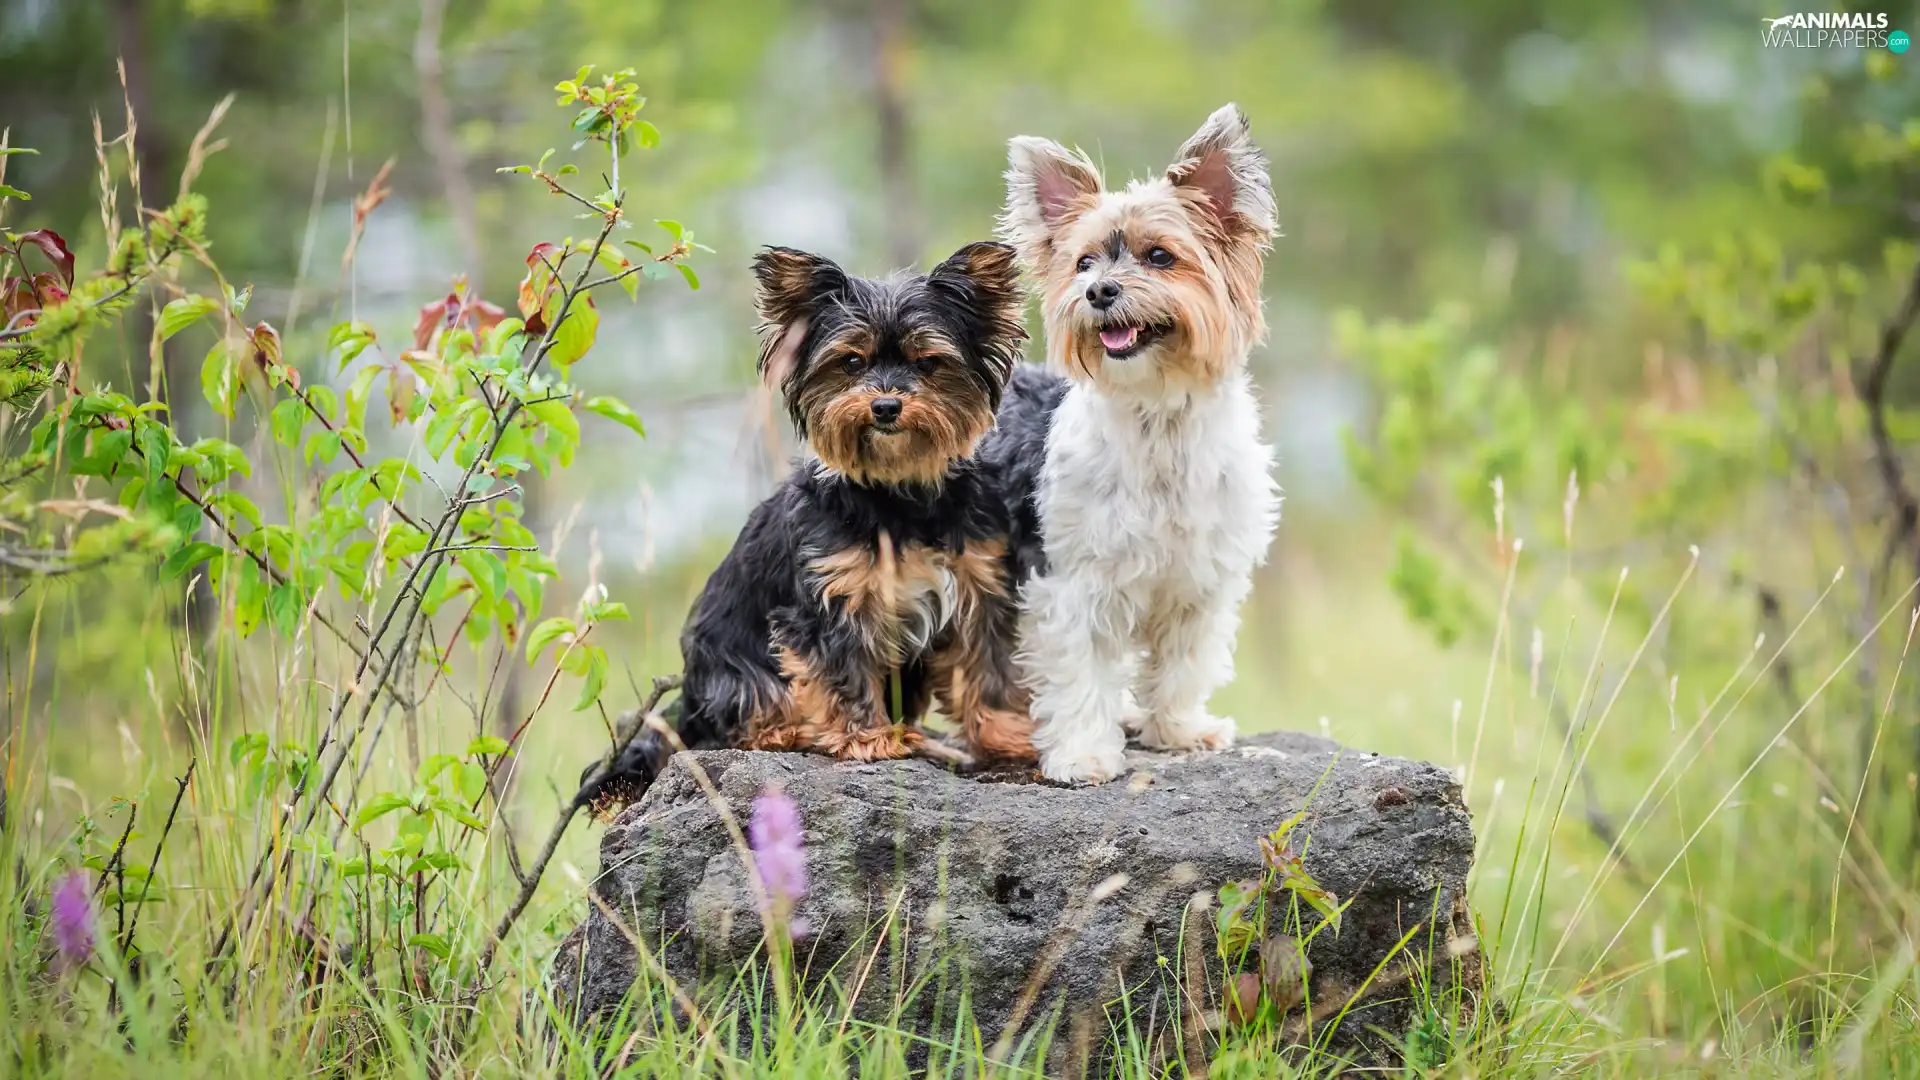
(484, 547)
(119, 850)
(531, 880)
(159, 848)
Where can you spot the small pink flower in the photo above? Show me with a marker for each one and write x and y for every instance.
(71, 920)
(778, 848)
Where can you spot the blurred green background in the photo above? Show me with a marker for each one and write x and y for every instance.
(1548, 167)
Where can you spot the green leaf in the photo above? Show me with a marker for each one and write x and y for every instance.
(617, 411)
(648, 135)
(434, 766)
(14, 193)
(563, 428)
(459, 813)
(233, 504)
(231, 459)
(576, 334)
(596, 677)
(693, 279)
(324, 446)
(378, 807)
(284, 608)
(288, 418)
(156, 446)
(249, 594)
(445, 422)
(608, 611)
(252, 744)
(216, 380)
(486, 745)
(109, 449)
(470, 781)
(433, 943)
(352, 339)
(435, 860)
(187, 558)
(546, 633)
(184, 312)
(1236, 927)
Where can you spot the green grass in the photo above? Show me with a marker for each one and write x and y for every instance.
(1750, 923)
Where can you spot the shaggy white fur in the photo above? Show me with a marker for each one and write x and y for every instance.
(1157, 500)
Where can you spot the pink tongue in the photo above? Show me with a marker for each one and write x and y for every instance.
(1119, 338)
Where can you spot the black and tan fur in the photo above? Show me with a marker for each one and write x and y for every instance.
(883, 556)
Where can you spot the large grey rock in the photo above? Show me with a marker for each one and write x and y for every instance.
(990, 878)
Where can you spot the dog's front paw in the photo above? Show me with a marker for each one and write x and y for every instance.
(1199, 730)
(1087, 760)
(887, 743)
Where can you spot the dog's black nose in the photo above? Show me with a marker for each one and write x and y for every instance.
(1101, 294)
(886, 409)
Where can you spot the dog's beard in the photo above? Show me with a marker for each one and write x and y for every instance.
(920, 448)
(1172, 340)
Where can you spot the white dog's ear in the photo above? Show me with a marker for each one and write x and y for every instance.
(1048, 186)
(1221, 162)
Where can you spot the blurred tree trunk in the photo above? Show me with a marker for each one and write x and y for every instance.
(436, 129)
(437, 132)
(159, 162)
(890, 42)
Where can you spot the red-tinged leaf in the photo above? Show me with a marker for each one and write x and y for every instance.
(400, 391)
(529, 296)
(536, 289)
(432, 317)
(540, 253)
(47, 287)
(17, 297)
(487, 316)
(267, 352)
(54, 247)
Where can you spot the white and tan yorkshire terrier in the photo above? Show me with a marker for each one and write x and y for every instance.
(1144, 488)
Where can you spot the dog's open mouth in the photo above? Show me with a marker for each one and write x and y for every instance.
(1124, 340)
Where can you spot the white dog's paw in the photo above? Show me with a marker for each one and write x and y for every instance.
(1199, 730)
(1093, 759)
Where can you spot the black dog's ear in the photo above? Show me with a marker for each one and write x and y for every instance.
(982, 283)
(792, 282)
(791, 285)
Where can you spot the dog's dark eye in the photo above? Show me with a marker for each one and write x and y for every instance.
(1085, 264)
(853, 362)
(1160, 257)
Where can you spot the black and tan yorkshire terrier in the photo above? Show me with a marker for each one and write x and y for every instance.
(874, 582)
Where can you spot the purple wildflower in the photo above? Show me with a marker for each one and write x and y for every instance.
(778, 852)
(71, 920)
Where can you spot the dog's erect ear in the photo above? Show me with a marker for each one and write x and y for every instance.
(983, 281)
(792, 283)
(791, 287)
(1048, 186)
(1221, 161)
